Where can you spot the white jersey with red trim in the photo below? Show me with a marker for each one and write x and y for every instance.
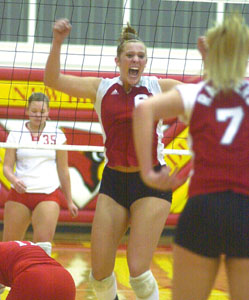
(114, 108)
(219, 131)
(37, 167)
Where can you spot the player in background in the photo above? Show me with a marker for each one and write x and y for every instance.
(123, 198)
(215, 220)
(32, 274)
(38, 175)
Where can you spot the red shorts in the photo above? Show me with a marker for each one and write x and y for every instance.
(32, 199)
(43, 281)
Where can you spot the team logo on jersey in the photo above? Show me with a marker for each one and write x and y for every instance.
(115, 92)
(140, 98)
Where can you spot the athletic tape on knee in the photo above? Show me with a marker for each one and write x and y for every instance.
(46, 246)
(105, 289)
(144, 285)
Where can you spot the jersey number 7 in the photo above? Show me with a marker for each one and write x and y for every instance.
(236, 115)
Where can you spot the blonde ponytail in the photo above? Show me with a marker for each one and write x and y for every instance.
(227, 55)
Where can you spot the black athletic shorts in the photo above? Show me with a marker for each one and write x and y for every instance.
(215, 223)
(126, 188)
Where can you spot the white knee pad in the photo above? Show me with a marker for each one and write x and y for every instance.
(145, 286)
(105, 289)
(2, 288)
(46, 246)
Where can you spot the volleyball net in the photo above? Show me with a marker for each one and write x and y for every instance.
(168, 28)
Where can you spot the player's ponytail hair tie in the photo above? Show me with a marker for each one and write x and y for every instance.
(128, 34)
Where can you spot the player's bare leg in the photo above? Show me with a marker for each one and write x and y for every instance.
(238, 277)
(109, 225)
(148, 217)
(44, 220)
(16, 221)
(193, 275)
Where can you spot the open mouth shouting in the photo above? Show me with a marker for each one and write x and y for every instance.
(133, 72)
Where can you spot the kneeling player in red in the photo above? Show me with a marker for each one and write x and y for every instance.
(32, 274)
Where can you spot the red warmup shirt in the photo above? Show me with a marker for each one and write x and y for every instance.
(17, 257)
(219, 132)
(114, 108)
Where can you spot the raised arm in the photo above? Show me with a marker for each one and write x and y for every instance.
(167, 84)
(84, 87)
(202, 47)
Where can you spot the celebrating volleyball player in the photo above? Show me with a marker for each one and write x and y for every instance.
(32, 274)
(38, 174)
(215, 220)
(123, 198)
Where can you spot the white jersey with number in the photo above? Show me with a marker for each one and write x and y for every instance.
(37, 167)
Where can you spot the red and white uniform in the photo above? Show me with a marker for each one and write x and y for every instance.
(32, 274)
(114, 108)
(16, 257)
(219, 132)
(37, 168)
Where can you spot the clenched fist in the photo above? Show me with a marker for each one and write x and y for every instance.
(61, 30)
